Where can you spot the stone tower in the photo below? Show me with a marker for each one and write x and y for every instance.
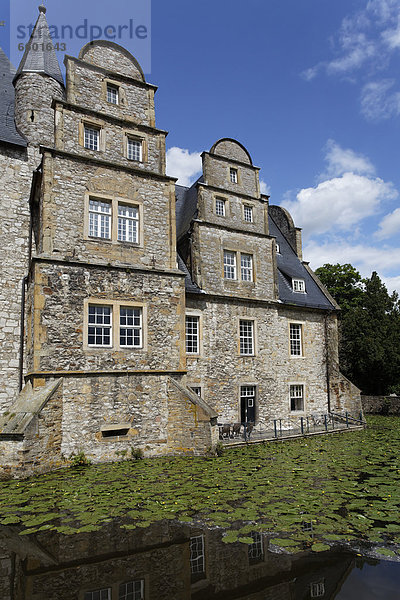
(37, 80)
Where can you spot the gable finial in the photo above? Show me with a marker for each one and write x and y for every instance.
(42, 8)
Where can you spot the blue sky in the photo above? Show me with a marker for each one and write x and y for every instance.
(310, 87)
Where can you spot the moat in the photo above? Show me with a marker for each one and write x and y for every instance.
(313, 517)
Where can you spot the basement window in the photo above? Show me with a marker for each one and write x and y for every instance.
(115, 431)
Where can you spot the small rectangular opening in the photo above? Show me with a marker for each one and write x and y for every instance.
(107, 433)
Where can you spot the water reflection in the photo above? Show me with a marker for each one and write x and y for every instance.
(176, 561)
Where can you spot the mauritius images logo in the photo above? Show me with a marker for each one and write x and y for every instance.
(74, 24)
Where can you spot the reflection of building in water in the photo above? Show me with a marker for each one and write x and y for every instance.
(164, 561)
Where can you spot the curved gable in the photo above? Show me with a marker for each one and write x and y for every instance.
(231, 149)
(110, 55)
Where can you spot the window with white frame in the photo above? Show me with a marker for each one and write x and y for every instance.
(100, 325)
(128, 223)
(278, 248)
(246, 267)
(102, 594)
(229, 264)
(113, 220)
(248, 213)
(91, 137)
(130, 327)
(220, 207)
(100, 218)
(256, 549)
(296, 397)
(192, 334)
(135, 149)
(132, 590)
(317, 589)
(246, 335)
(112, 94)
(233, 174)
(296, 348)
(298, 285)
(197, 562)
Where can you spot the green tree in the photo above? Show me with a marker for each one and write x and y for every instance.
(369, 328)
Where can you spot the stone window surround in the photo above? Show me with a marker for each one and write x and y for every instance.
(133, 135)
(238, 266)
(115, 306)
(196, 386)
(199, 315)
(93, 124)
(297, 412)
(114, 201)
(302, 324)
(255, 337)
(238, 177)
(116, 84)
(226, 204)
(244, 206)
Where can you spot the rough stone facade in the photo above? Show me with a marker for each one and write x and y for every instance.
(381, 405)
(129, 296)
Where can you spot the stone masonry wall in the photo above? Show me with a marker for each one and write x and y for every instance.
(61, 294)
(234, 211)
(208, 248)
(105, 55)
(216, 172)
(67, 186)
(381, 405)
(231, 149)
(16, 167)
(221, 371)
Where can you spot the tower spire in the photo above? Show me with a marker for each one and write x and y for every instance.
(40, 55)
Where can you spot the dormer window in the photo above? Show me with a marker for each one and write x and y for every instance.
(233, 175)
(278, 248)
(112, 94)
(299, 285)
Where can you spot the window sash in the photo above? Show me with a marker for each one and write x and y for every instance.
(256, 550)
(135, 150)
(295, 339)
(132, 590)
(192, 334)
(297, 397)
(246, 337)
(91, 137)
(196, 389)
(220, 207)
(229, 264)
(128, 223)
(102, 594)
(130, 327)
(246, 265)
(100, 325)
(197, 562)
(248, 213)
(299, 285)
(233, 175)
(112, 94)
(100, 219)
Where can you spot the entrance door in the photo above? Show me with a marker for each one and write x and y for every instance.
(248, 404)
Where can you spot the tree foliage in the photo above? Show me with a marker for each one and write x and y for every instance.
(369, 328)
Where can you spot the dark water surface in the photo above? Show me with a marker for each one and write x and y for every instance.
(169, 560)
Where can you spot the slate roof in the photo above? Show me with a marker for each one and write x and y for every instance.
(288, 264)
(289, 267)
(8, 131)
(41, 60)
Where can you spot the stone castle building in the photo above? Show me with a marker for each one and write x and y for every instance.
(136, 312)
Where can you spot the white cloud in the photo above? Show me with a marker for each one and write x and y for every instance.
(343, 160)
(184, 165)
(389, 226)
(364, 257)
(340, 203)
(378, 102)
(264, 187)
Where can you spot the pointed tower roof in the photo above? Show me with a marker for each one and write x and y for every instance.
(8, 131)
(40, 58)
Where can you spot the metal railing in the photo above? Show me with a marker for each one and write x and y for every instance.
(289, 427)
